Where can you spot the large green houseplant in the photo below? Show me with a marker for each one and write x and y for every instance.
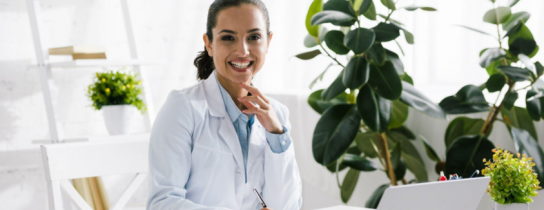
(508, 64)
(367, 122)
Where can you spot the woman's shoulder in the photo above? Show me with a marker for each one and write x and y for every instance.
(192, 97)
(280, 109)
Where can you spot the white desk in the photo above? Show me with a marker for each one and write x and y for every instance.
(342, 207)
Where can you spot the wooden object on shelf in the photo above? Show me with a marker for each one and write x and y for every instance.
(77, 56)
(78, 49)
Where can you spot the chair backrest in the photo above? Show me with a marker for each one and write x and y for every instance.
(66, 161)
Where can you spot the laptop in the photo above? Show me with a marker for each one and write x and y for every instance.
(464, 194)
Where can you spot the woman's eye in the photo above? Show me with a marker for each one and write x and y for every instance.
(227, 38)
(254, 37)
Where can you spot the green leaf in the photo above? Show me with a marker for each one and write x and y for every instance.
(526, 144)
(407, 78)
(397, 63)
(348, 185)
(356, 73)
(376, 196)
(309, 41)
(521, 40)
(360, 40)
(476, 30)
(539, 69)
(352, 150)
(359, 163)
(490, 55)
(364, 5)
(315, 7)
(412, 97)
(402, 132)
(315, 101)
(386, 32)
(330, 16)
(395, 154)
(534, 106)
(399, 114)
(370, 12)
(498, 15)
(462, 126)
(515, 19)
(429, 149)
(492, 68)
(389, 4)
(414, 8)
(509, 99)
(385, 81)
(336, 88)
(340, 6)
(408, 36)
(466, 153)
(377, 53)
(511, 3)
(400, 170)
(308, 55)
(495, 83)
(373, 109)
(413, 160)
(365, 143)
(335, 41)
(469, 99)
(519, 118)
(391, 20)
(334, 132)
(515, 74)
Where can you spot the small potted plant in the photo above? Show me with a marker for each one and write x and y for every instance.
(116, 93)
(513, 180)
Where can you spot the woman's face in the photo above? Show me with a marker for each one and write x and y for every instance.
(239, 44)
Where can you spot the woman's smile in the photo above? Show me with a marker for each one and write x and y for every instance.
(241, 65)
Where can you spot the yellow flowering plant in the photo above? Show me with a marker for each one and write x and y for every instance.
(116, 88)
(513, 180)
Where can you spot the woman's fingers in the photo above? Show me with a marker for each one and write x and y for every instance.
(253, 91)
(256, 99)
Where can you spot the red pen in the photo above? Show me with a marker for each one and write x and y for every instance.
(442, 177)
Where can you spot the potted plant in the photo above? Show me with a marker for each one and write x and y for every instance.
(513, 180)
(368, 122)
(117, 94)
(511, 74)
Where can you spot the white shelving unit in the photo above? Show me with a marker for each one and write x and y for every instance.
(49, 89)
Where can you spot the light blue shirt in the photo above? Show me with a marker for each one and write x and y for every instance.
(242, 124)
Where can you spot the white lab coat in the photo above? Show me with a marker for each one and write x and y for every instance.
(196, 160)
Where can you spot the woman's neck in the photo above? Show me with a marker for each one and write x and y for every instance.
(234, 90)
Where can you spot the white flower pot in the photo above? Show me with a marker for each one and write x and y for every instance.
(118, 118)
(512, 206)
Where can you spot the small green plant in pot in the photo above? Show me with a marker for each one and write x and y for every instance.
(513, 180)
(116, 93)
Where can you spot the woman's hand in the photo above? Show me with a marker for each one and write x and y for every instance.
(264, 112)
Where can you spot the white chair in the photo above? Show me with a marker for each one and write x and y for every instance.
(66, 161)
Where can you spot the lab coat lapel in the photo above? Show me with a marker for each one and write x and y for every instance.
(257, 142)
(216, 107)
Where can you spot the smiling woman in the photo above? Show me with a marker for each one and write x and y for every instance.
(214, 143)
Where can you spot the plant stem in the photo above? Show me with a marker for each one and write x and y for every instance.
(489, 122)
(498, 29)
(404, 182)
(331, 56)
(387, 157)
(352, 99)
(390, 13)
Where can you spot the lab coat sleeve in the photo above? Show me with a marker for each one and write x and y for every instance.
(170, 156)
(283, 187)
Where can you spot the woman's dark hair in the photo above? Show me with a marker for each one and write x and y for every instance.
(203, 62)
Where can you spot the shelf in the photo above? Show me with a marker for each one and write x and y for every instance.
(104, 63)
(134, 136)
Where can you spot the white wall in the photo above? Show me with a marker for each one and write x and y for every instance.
(172, 29)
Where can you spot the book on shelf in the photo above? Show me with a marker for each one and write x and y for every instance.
(69, 50)
(77, 56)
